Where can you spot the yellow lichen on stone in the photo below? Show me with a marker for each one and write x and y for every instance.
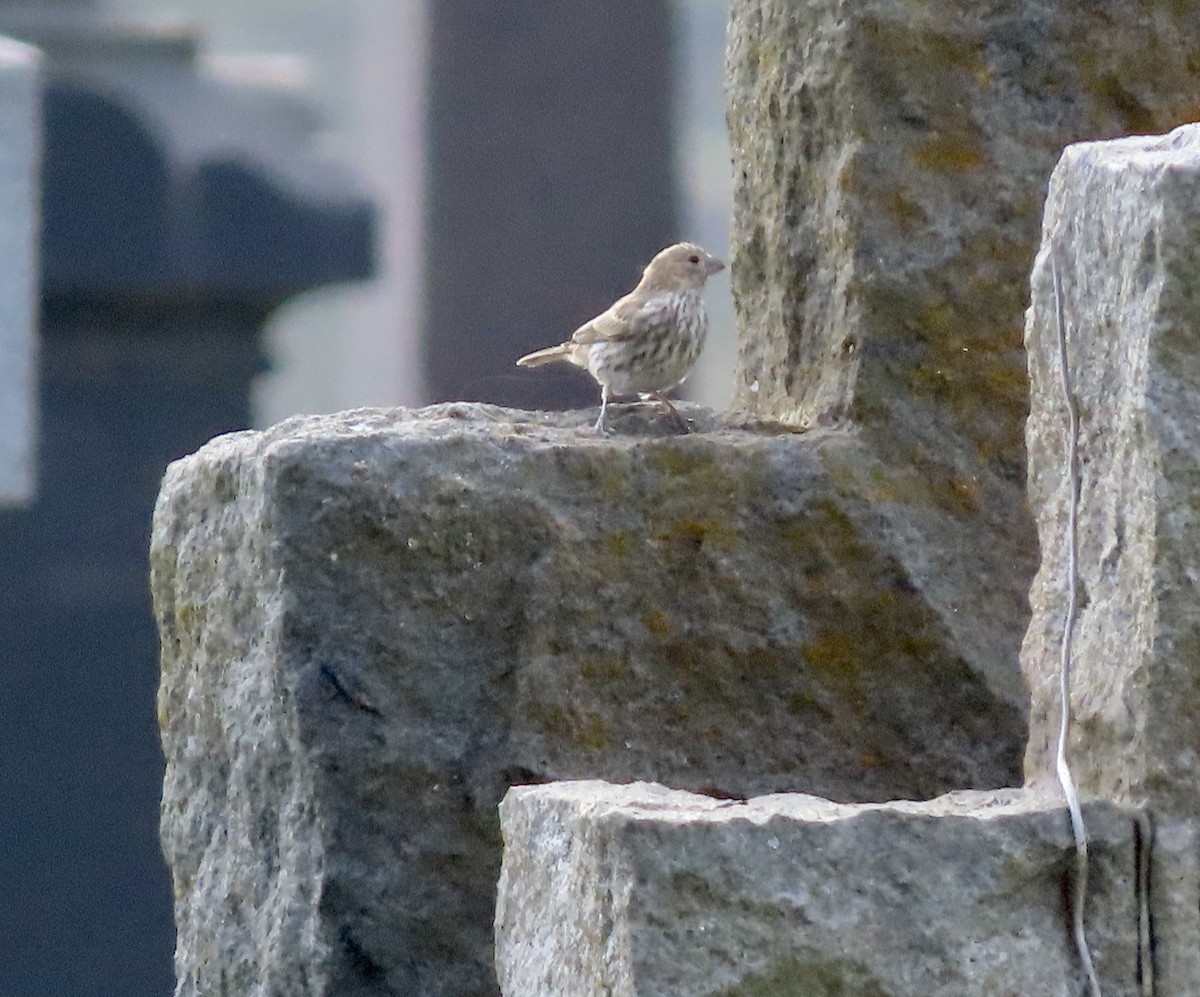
(587, 731)
(658, 623)
(950, 152)
(190, 617)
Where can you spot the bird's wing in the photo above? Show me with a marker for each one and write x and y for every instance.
(628, 316)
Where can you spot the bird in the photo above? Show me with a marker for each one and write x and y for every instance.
(647, 342)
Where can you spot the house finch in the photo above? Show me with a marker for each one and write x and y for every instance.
(646, 342)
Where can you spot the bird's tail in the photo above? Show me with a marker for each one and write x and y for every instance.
(553, 354)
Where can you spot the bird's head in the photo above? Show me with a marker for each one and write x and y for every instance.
(684, 265)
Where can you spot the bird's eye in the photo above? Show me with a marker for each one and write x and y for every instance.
(693, 259)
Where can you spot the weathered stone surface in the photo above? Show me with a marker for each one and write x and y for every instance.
(374, 623)
(1174, 907)
(1125, 216)
(240, 811)
(640, 891)
(20, 153)
(890, 162)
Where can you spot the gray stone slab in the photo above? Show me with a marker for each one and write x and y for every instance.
(373, 623)
(890, 164)
(20, 164)
(1174, 906)
(1125, 216)
(641, 891)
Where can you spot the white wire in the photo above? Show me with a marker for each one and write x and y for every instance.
(1063, 770)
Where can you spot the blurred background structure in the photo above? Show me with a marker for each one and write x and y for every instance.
(20, 140)
(541, 110)
(206, 234)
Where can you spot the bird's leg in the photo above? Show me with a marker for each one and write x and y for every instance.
(680, 421)
(601, 426)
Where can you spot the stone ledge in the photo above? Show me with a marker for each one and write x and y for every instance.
(418, 609)
(639, 890)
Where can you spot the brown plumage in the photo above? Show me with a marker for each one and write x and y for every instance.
(647, 342)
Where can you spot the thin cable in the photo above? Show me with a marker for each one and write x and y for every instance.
(1063, 770)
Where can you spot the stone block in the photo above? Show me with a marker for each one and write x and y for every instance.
(1125, 218)
(640, 891)
(20, 161)
(890, 164)
(1174, 906)
(373, 623)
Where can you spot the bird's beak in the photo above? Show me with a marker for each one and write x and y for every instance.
(713, 266)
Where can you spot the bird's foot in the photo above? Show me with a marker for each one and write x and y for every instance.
(677, 417)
